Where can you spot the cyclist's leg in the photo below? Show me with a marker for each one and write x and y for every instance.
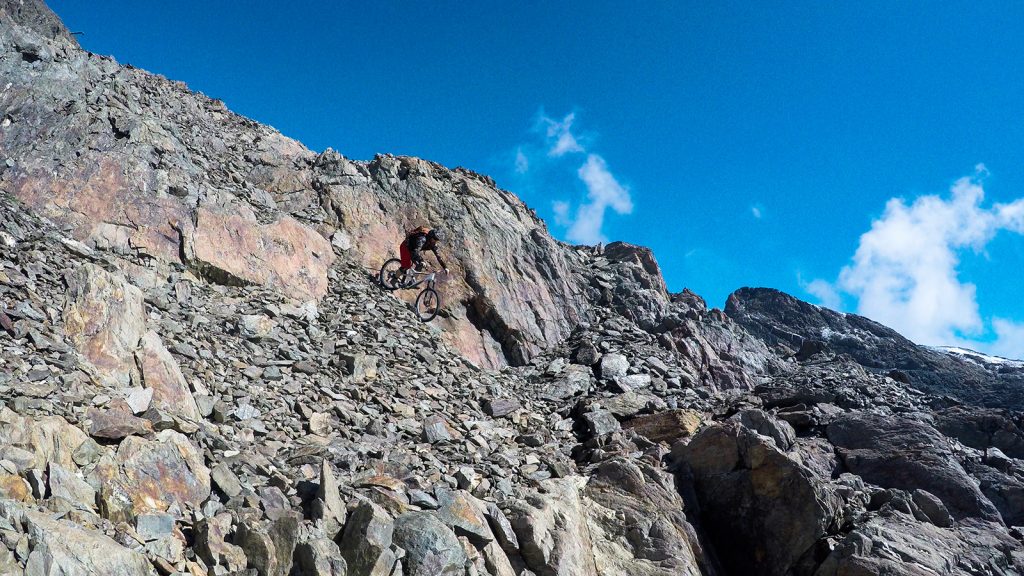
(406, 257)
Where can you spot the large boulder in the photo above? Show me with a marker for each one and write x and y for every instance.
(638, 524)
(666, 426)
(552, 530)
(320, 557)
(48, 439)
(151, 475)
(213, 547)
(1005, 490)
(763, 510)
(897, 544)
(160, 373)
(104, 318)
(366, 542)
(895, 452)
(431, 548)
(982, 428)
(62, 548)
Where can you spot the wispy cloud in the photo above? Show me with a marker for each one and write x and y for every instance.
(561, 210)
(825, 292)
(905, 271)
(603, 192)
(583, 224)
(757, 211)
(560, 137)
(522, 162)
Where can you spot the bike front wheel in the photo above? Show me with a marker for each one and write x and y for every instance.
(391, 277)
(428, 304)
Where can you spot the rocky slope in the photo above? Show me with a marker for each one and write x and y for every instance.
(199, 376)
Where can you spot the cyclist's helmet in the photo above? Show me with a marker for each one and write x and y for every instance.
(437, 235)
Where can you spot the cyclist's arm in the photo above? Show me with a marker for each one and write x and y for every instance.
(439, 259)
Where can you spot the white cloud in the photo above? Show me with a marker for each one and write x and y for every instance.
(1009, 338)
(904, 273)
(561, 210)
(756, 212)
(560, 137)
(603, 192)
(584, 223)
(522, 162)
(825, 292)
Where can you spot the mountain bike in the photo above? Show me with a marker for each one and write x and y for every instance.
(428, 301)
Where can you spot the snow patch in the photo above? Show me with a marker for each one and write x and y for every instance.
(977, 356)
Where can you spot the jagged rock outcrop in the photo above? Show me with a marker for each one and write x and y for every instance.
(906, 454)
(741, 480)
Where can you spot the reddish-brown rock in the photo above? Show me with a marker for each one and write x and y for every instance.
(236, 249)
(150, 475)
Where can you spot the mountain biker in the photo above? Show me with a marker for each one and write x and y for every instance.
(417, 241)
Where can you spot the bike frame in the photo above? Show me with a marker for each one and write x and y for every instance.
(428, 277)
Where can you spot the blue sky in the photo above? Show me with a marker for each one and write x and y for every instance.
(748, 143)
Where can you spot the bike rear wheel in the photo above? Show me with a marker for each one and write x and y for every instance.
(391, 277)
(428, 304)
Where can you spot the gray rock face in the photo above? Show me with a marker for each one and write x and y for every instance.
(37, 16)
(896, 544)
(552, 531)
(613, 366)
(367, 542)
(61, 547)
(320, 557)
(906, 454)
(982, 428)
(731, 465)
(659, 540)
(778, 430)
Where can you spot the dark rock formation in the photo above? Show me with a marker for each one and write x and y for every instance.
(789, 324)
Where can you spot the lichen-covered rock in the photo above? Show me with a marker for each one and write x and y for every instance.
(116, 424)
(104, 319)
(667, 426)
(151, 475)
(431, 548)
